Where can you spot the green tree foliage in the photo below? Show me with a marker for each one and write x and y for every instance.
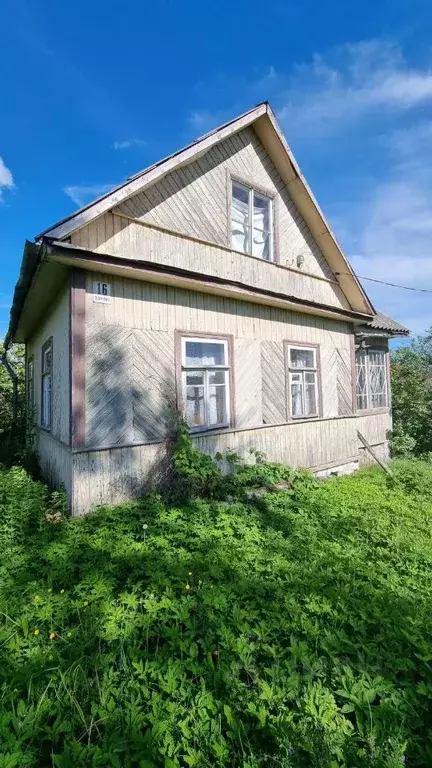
(12, 434)
(411, 379)
(289, 629)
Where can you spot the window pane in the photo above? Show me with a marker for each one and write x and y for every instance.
(296, 398)
(261, 212)
(240, 218)
(302, 358)
(194, 412)
(46, 362)
(261, 244)
(310, 400)
(205, 353)
(195, 378)
(217, 377)
(46, 401)
(361, 379)
(377, 379)
(217, 405)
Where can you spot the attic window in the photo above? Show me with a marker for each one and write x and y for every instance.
(252, 222)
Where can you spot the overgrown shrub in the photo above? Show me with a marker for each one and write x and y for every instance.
(293, 629)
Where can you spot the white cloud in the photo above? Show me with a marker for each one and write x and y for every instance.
(6, 178)
(83, 194)
(129, 144)
(354, 81)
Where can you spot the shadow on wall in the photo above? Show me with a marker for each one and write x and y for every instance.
(130, 400)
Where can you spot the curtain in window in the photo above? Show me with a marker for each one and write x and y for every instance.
(261, 226)
(206, 390)
(240, 218)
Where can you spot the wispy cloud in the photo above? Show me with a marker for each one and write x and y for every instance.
(129, 144)
(351, 83)
(6, 178)
(82, 194)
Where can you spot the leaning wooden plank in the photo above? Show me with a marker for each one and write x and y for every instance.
(373, 454)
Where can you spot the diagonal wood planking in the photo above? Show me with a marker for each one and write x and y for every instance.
(274, 407)
(248, 382)
(108, 403)
(344, 383)
(153, 384)
(328, 356)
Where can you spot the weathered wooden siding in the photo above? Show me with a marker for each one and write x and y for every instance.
(193, 200)
(56, 324)
(130, 385)
(377, 429)
(55, 460)
(111, 476)
(118, 236)
(53, 449)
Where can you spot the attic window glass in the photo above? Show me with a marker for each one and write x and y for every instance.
(205, 379)
(46, 399)
(251, 222)
(371, 379)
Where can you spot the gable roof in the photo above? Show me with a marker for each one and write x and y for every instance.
(268, 131)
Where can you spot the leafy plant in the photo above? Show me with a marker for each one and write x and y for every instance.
(288, 629)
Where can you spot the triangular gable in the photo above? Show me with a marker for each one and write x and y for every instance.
(264, 123)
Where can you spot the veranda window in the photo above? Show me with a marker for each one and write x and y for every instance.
(205, 379)
(46, 399)
(251, 221)
(371, 379)
(303, 381)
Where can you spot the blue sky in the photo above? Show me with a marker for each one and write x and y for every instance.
(92, 92)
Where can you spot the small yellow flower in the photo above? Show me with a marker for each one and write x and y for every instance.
(85, 603)
(52, 635)
(69, 634)
(187, 587)
(37, 632)
(62, 591)
(190, 573)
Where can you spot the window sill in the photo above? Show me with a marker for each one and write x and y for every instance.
(205, 429)
(372, 411)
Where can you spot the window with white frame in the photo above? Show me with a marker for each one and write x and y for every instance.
(205, 382)
(30, 384)
(252, 222)
(303, 381)
(46, 399)
(371, 379)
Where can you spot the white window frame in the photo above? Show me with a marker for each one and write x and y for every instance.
(366, 352)
(302, 372)
(46, 376)
(185, 369)
(251, 192)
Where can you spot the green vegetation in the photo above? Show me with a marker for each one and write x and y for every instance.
(411, 381)
(15, 439)
(289, 628)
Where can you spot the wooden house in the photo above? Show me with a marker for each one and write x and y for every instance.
(209, 282)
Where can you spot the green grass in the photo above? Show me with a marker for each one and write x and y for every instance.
(290, 630)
